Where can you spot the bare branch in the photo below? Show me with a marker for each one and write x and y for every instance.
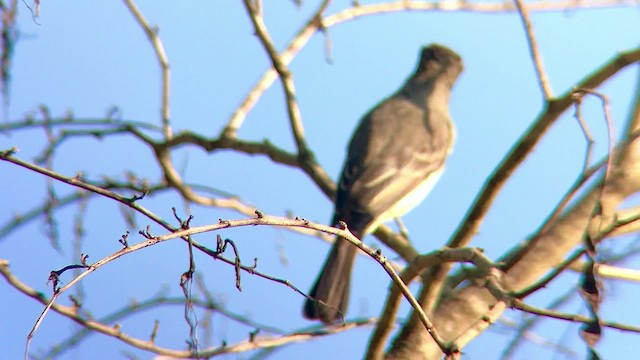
(534, 50)
(543, 250)
(470, 224)
(517, 304)
(116, 332)
(301, 38)
(76, 181)
(523, 328)
(163, 60)
(285, 75)
(309, 29)
(184, 233)
(421, 262)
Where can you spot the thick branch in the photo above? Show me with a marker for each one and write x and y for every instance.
(458, 310)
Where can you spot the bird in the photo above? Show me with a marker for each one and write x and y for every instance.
(395, 156)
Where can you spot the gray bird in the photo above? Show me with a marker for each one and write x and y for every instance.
(396, 155)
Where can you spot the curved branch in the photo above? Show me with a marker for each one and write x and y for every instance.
(129, 310)
(114, 331)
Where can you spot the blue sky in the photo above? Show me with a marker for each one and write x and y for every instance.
(90, 56)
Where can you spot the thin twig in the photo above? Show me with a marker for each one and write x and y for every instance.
(573, 190)
(298, 42)
(76, 181)
(550, 276)
(527, 324)
(284, 73)
(608, 122)
(163, 60)
(603, 233)
(517, 304)
(585, 131)
(534, 50)
(66, 122)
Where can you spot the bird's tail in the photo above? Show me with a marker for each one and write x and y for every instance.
(331, 290)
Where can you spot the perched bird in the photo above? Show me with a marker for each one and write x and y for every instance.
(396, 155)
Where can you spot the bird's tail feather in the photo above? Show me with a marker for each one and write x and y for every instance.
(331, 290)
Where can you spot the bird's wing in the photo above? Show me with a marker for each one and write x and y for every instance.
(395, 150)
